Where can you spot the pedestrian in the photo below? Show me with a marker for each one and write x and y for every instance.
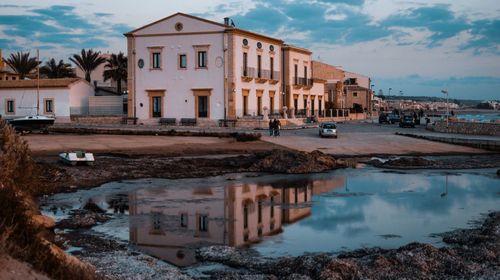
(271, 127)
(274, 127)
(278, 127)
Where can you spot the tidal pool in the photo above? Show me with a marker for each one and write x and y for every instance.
(280, 215)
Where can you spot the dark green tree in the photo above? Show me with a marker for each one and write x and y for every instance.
(88, 61)
(116, 69)
(53, 70)
(22, 63)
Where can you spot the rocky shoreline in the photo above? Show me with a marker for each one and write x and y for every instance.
(470, 254)
(57, 177)
(452, 162)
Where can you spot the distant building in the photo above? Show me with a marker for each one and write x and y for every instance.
(6, 72)
(358, 92)
(344, 90)
(61, 98)
(303, 93)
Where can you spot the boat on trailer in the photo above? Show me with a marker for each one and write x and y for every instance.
(75, 157)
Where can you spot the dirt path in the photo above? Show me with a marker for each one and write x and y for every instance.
(43, 145)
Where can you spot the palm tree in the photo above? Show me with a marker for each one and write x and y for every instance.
(88, 61)
(53, 70)
(22, 63)
(116, 70)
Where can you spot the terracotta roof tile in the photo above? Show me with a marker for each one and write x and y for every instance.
(44, 83)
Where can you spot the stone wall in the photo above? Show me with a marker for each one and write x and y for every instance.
(97, 119)
(473, 128)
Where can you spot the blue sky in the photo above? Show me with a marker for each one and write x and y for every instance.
(414, 47)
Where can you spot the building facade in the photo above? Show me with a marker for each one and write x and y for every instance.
(60, 98)
(188, 67)
(303, 94)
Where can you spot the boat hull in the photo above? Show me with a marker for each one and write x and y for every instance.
(30, 124)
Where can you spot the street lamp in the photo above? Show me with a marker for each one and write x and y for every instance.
(445, 91)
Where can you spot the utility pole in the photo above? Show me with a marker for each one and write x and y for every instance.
(445, 91)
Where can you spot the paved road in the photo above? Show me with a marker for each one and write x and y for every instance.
(365, 138)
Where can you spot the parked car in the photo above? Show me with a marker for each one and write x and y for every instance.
(407, 121)
(328, 129)
(393, 118)
(382, 118)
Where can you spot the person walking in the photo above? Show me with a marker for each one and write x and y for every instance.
(278, 127)
(271, 127)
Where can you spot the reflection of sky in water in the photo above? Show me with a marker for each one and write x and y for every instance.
(373, 208)
(408, 206)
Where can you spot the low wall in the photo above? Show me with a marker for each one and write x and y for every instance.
(97, 119)
(473, 128)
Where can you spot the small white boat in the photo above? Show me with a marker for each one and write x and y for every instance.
(75, 157)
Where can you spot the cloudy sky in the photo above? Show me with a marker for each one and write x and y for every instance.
(414, 47)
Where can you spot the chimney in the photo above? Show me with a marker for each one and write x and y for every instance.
(226, 21)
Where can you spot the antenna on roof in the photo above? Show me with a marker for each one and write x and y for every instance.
(232, 23)
(319, 58)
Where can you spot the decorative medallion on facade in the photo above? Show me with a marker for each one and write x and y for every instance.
(259, 45)
(179, 26)
(140, 63)
(271, 48)
(219, 61)
(245, 42)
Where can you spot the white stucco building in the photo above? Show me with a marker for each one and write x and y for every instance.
(57, 97)
(188, 67)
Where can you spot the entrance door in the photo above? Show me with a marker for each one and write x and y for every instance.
(202, 106)
(259, 105)
(156, 100)
(245, 105)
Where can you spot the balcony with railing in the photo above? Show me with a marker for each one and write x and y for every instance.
(262, 76)
(299, 82)
(274, 77)
(247, 73)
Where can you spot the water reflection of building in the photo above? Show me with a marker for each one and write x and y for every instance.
(170, 224)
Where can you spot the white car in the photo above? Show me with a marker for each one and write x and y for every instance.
(328, 129)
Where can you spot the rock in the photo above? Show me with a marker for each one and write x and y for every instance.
(44, 221)
(82, 219)
(293, 162)
(410, 162)
(91, 206)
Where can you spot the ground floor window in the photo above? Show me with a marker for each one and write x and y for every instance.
(245, 216)
(203, 223)
(305, 103)
(49, 105)
(156, 101)
(296, 105)
(10, 106)
(272, 206)
(202, 106)
(320, 109)
(312, 106)
(184, 220)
